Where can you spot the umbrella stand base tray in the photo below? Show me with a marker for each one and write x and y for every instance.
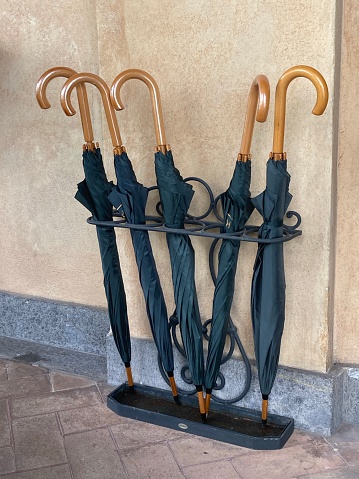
(233, 425)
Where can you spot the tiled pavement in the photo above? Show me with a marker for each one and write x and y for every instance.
(57, 426)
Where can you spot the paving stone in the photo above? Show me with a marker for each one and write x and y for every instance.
(3, 371)
(76, 420)
(17, 370)
(38, 442)
(5, 438)
(196, 450)
(61, 381)
(105, 389)
(289, 462)
(93, 455)
(154, 461)
(53, 402)
(7, 460)
(347, 473)
(212, 470)
(15, 388)
(346, 442)
(54, 472)
(132, 434)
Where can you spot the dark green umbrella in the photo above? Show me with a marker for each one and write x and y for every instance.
(93, 193)
(132, 197)
(237, 208)
(268, 283)
(176, 196)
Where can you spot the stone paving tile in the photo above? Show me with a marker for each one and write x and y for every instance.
(53, 402)
(211, 470)
(196, 450)
(93, 455)
(105, 389)
(76, 420)
(38, 442)
(288, 463)
(54, 472)
(3, 371)
(61, 381)
(154, 461)
(17, 370)
(300, 437)
(132, 434)
(7, 460)
(346, 442)
(5, 438)
(347, 473)
(25, 387)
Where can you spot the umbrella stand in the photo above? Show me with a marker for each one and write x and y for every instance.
(100, 206)
(132, 197)
(183, 275)
(268, 307)
(237, 209)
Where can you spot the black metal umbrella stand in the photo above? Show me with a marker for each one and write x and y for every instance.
(226, 423)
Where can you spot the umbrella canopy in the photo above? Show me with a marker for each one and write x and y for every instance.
(176, 196)
(237, 208)
(132, 196)
(93, 193)
(268, 283)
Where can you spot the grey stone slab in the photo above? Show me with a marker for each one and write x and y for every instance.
(155, 461)
(351, 397)
(5, 437)
(347, 473)
(75, 420)
(54, 402)
(7, 460)
(193, 450)
(93, 455)
(58, 324)
(38, 442)
(61, 381)
(18, 370)
(25, 387)
(287, 463)
(51, 357)
(131, 434)
(54, 472)
(213, 470)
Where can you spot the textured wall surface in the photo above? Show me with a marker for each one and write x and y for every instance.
(204, 56)
(347, 278)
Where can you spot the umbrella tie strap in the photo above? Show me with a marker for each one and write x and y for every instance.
(274, 224)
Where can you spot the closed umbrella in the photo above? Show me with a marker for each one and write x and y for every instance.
(237, 208)
(268, 283)
(132, 196)
(93, 194)
(175, 197)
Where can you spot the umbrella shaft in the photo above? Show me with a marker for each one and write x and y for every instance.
(264, 409)
(129, 375)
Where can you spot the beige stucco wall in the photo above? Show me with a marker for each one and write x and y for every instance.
(204, 56)
(346, 335)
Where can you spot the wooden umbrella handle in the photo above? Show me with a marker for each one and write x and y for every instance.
(280, 101)
(155, 100)
(42, 100)
(102, 86)
(257, 109)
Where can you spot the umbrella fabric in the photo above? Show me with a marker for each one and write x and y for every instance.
(268, 283)
(132, 196)
(92, 193)
(237, 208)
(176, 196)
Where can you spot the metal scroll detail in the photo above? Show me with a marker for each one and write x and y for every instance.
(199, 226)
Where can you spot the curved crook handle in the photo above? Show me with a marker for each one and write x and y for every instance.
(42, 100)
(155, 100)
(280, 101)
(257, 109)
(102, 86)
